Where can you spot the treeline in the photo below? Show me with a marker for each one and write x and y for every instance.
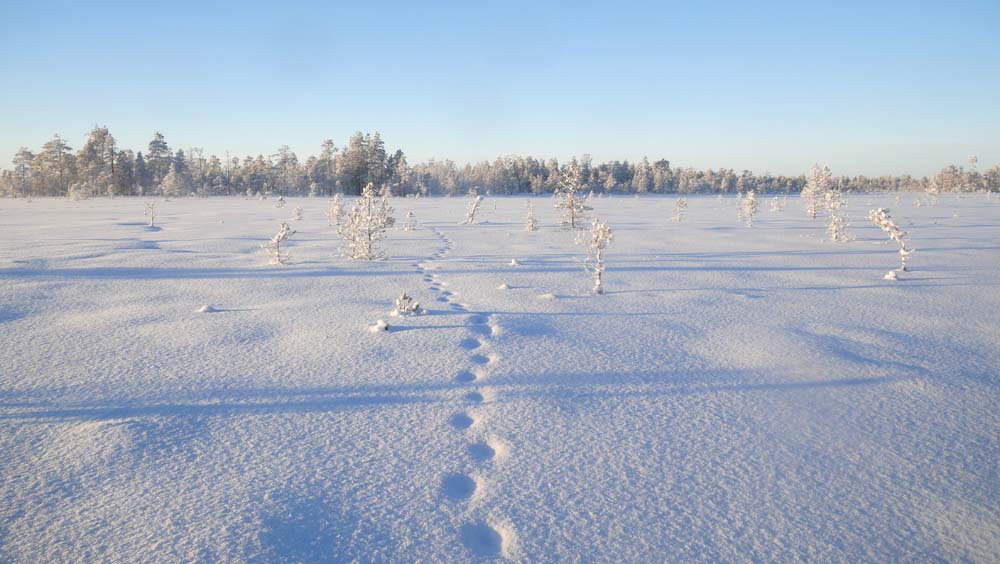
(100, 167)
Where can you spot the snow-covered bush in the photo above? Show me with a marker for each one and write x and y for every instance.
(817, 184)
(280, 202)
(574, 210)
(836, 225)
(297, 213)
(881, 218)
(405, 305)
(530, 223)
(410, 222)
(273, 247)
(595, 242)
(365, 226)
(335, 213)
(775, 204)
(475, 200)
(680, 206)
(749, 207)
(151, 212)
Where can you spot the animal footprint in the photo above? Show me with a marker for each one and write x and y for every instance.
(481, 539)
(457, 487)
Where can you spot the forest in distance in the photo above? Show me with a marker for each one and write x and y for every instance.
(102, 168)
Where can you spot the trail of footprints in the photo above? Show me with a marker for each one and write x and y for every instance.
(477, 536)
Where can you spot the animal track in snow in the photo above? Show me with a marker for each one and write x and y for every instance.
(461, 421)
(481, 539)
(470, 344)
(458, 486)
(475, 397)
(481, 452)
(466, 376)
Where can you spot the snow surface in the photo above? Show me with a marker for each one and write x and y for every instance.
(736, 395)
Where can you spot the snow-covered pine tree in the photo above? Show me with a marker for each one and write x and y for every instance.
(836, 225)
(750, 207)
(273, 247)
(365, 226)
(151, 212)
(881, 218)
(470, 213)
(335, 213)
(775, 204)
(297, 213)
(817, 184)
(680, 206)
(595, 242)
(530, 223)
(574, 210)
(410, 222)
(280, 202)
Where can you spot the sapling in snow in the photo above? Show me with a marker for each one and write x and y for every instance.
(297, 213)
(530, 223)
(365, 226)
(335, 213)
(817, 184)
(470, 214)
(574, 211)
(151, 212)
(884, 221)
(410, 222)
(679, 208)
(595, 242)
(836, 226)
(280, 202)
(273, 247)
(749, 207)
(775, 204)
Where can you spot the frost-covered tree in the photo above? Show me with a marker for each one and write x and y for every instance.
(365, 226)
(297, 213)
(750, 207)
(475, 201)
(151, 212)
(836, 224)
(595, 242)
(280, 202)
(174, 183)
(273, 247)
(574, 210)
(530, 223)
(933, 192)
(410, 222)
(335, 213)
(680, 206)
(775, 204)
(817, 184)
(881, 218)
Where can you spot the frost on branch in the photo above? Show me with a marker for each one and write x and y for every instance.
(335, 213)
(365, 226)
(749, 207)
(405, 305)
(470, 214)
(530, 223)
(595, 242)
(679, 208)
(273, 247)
(817, 184)
(883, 221)
(574, 210)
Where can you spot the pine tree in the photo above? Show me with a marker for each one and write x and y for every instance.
(572, 205)
(366, 225)
(817, 184)
(595, 243)
(881, 218)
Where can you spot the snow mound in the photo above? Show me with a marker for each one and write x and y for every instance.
(207, 309)
(379, 326)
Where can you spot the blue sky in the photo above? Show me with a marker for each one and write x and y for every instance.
(869, 87)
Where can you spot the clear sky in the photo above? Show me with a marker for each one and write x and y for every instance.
(869, 87)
